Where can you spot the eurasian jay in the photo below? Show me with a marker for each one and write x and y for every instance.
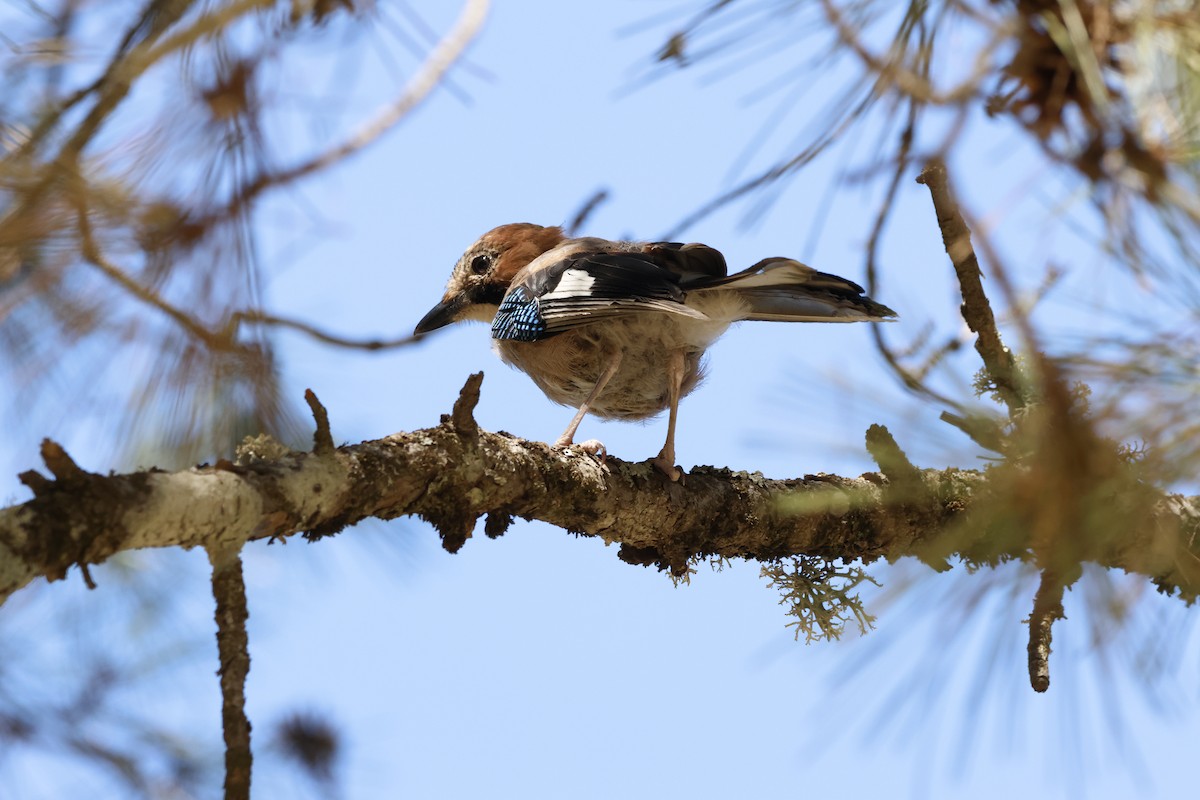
(619, 329)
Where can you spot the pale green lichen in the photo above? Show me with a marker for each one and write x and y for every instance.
(820, 595)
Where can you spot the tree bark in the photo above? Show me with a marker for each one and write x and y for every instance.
(455, 473)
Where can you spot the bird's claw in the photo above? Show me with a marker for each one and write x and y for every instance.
(667, 467)
(593, 447)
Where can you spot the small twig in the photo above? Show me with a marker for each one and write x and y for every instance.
(111, 89)
(1047, 607)
(67, 472)
(976, 309)
(115, 83)
(983, 431)
(224, 339)
(263, 318)
(906, 487)
(456, 523)
(60, 464)
(205, 26)
(910, 380)
(229, 591)
(893, 463)
(116, 64)
(94, 256)
(38, 483)
(585, 211)
(1019, 318)
(772, 174)
(462, 416)
(322, 438)
(443, 57)
(904, 80)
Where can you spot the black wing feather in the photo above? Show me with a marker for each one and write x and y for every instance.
(586, 288)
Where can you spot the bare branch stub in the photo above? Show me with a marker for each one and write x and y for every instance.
(906, 488)
(1047, 608)
(322, 438)
(60, 464)
(87, 575)
(893, 463)
(462, 417)
(233, 647)
(449, 513)
(36, 481)
(976, 309)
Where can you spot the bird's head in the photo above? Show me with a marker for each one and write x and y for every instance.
(482, 276)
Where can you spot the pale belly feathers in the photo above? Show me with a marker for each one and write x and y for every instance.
(567, 366)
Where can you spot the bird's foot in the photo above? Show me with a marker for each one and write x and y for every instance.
(667, 467)
(593, 447)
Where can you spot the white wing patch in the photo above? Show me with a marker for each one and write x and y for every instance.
(573, 283)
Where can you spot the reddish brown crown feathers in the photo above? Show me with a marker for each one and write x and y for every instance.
(518, 244)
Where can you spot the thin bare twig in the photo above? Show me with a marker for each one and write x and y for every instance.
(225, 338)
(93, 255)
(976, 309)
(772, 174)
(115, 82)
(258, 317)
(906, 81)
(443, 57)
(890, 357)
(585, 211)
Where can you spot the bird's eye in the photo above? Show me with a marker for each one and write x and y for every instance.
(481, 264)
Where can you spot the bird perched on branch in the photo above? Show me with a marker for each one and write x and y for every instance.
(618, 329)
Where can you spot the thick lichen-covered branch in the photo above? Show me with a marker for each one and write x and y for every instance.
(456, 473)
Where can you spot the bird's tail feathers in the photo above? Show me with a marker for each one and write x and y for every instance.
(784, 304)
(784, 290)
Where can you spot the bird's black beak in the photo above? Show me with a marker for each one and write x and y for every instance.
(439, 316)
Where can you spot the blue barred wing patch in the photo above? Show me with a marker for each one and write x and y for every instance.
(519, 318)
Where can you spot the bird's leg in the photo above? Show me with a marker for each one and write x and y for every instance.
(665, 461)
(592, 445)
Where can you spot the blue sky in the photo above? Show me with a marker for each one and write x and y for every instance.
(539, 665)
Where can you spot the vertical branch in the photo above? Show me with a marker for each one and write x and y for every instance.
(976, 310)
(1047, 607)
(229, 590)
